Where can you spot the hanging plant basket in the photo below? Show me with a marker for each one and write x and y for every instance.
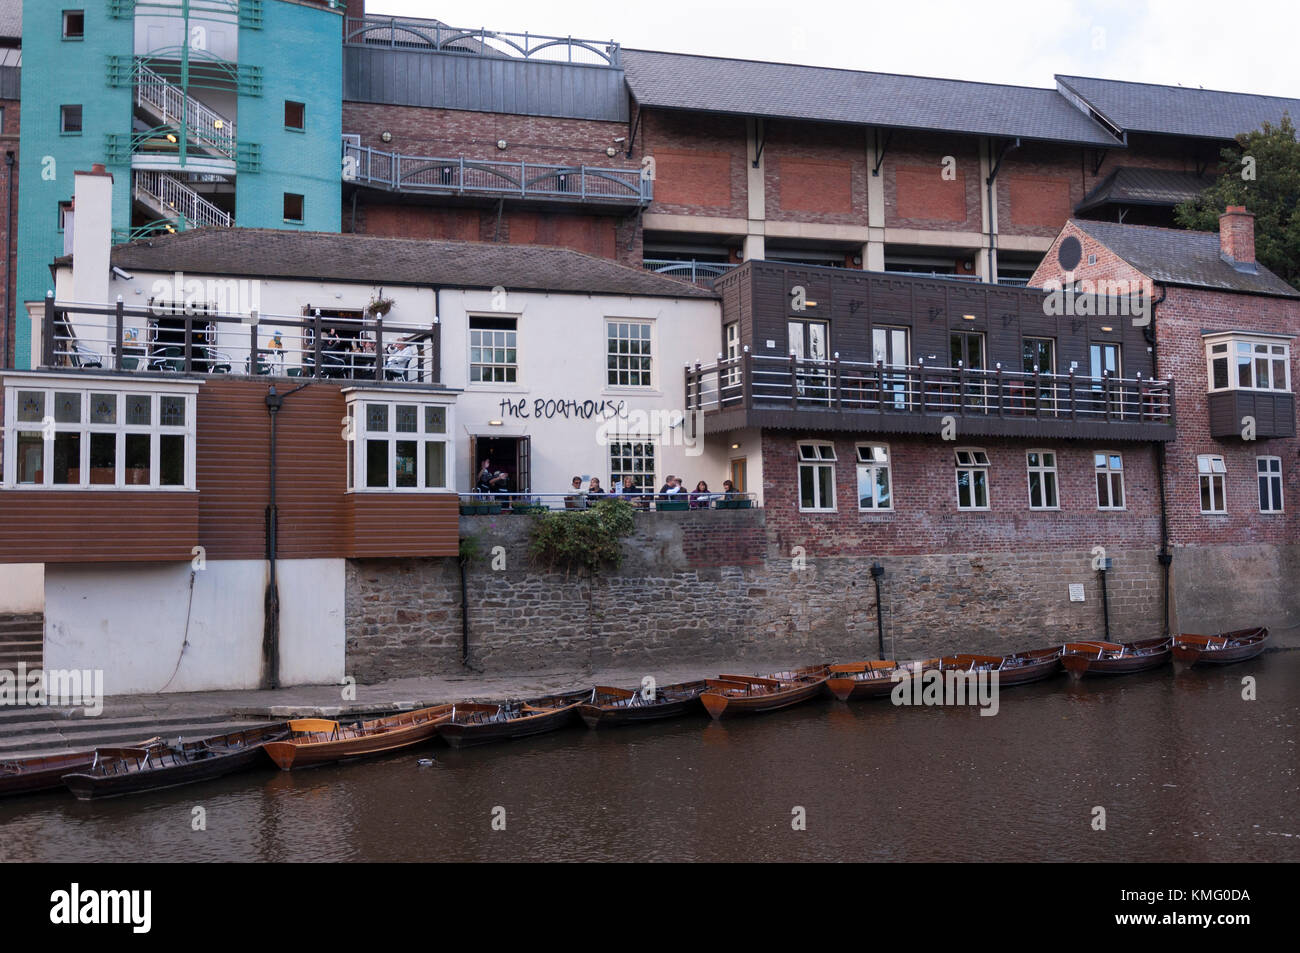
(379, 305)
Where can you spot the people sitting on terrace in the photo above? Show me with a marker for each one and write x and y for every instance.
(575, 500)
(729, 490)
(484, 475)
(700, 496)
(595, 489)
(671, 486)
(629, 488)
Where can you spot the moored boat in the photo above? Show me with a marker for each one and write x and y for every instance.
(27, 775)
(1018, 668)
(151, 767)
(1114, 658)
(730, 695)
(477, 724)
(622, 706)
(314, 741)
(855, 680)
(1222, 649)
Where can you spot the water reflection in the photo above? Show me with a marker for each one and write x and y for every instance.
(1185, 769)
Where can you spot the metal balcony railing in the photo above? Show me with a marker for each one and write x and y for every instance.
(194, 338)
(174, 106)
(701, 273)
(174, 198)
(434, 36)
(460, 175)
(481, 504)
(790, 383)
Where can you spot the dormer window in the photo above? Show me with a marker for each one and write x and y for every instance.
(1248, 362)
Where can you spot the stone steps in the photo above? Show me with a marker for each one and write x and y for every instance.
(50, 731)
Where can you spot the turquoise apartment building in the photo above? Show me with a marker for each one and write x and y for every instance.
(207, 112)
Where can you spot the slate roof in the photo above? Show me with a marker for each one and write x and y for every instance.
(326, 256)
(1129, 185)
(784, 90)
(1179, 110)
(11, 19)
(1180, 257)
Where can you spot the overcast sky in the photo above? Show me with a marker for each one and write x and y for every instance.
(1240, 45)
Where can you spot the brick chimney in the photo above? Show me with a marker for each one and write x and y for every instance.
(1237, 237)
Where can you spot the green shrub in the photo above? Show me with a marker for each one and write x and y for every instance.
(582, 539)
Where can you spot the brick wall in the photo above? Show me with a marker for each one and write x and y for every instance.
(916, 193)
(700, 162)
(815, 173)
(925, 518)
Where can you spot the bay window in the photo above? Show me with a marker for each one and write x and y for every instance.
(99, 434)
(398, 446)
(1248, 362)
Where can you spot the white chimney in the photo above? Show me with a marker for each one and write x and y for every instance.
(92, 234)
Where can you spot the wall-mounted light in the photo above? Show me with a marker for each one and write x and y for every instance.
(1107, 327)
(968, 317)
(171, 137)
(735, 446)
(501, 144)
(218, 124)
(494, 423)
(611, 152)
(386, 136)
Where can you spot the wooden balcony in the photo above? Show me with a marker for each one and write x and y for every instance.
(794, 394)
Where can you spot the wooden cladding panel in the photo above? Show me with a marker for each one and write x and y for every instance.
(234, 448)
(404, 524)
(54, 526)
(930, 308)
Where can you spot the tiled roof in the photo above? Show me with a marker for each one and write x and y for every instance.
(1128, 185)
(325, 256)
(1179, 110)
(752, 88)
(1179, 257)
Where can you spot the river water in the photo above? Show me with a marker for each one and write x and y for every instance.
(1185, 769)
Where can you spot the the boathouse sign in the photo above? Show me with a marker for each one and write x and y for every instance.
(542, 408)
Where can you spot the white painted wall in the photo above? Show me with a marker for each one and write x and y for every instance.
(562, 356)
(130, 621)
(22, 587)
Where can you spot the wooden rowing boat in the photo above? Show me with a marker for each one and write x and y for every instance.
(45, 773)
(1222, 649)
(1114, 658)
(621, 706)
(1017, 668)
(756, 694)
(152, 767)
(854, 680)
(315, 741)
(477, 724)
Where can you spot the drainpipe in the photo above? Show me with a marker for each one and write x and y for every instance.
(877, 571)
(271, 605)
(993, 210)
(1165, 557)
(10, 314)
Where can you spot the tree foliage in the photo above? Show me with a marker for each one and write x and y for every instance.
(582, 539)
(1261, 170)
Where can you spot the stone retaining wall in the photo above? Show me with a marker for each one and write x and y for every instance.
(674, 602)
